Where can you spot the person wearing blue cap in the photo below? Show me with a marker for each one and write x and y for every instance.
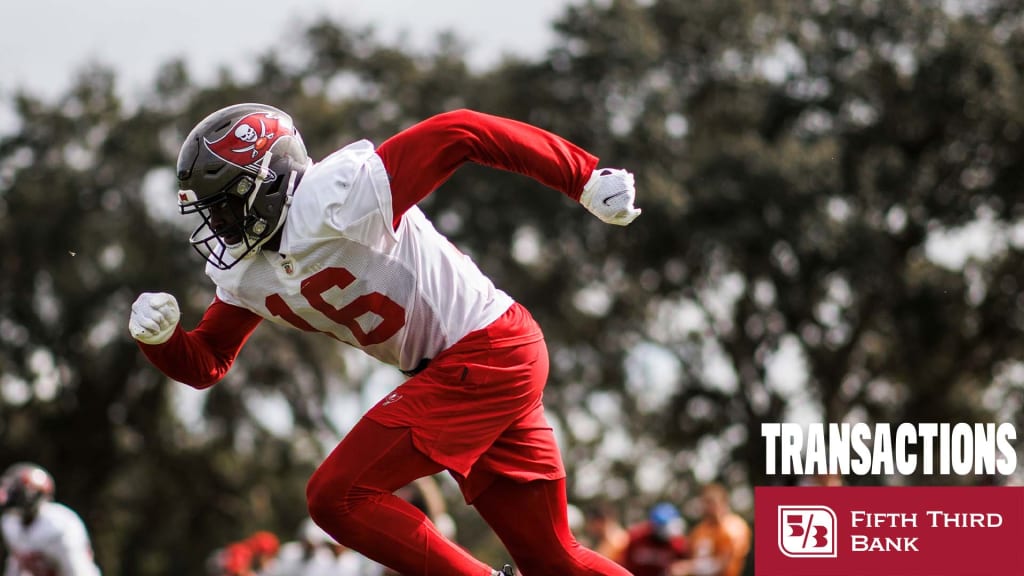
(657, 543)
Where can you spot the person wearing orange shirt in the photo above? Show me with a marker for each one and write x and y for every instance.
(720, 541)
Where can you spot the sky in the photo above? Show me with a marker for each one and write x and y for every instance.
(46, 41)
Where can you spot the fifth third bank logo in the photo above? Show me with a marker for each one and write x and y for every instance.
(807, 531)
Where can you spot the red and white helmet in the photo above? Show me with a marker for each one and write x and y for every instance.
(24, 486)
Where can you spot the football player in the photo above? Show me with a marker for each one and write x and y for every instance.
(340, 247)
(41, 537)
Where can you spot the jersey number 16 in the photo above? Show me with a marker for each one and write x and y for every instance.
(313, 289)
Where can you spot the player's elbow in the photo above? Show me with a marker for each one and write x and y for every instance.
(460, 116)
(461, 123)
(201, 383)
(203, 379)
(464, 134)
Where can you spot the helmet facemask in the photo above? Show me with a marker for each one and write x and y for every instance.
(242, 217)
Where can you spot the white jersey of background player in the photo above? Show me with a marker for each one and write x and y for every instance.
(41, 537)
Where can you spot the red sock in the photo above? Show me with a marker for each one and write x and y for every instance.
(350, 497)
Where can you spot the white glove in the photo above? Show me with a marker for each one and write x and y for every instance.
(154, 317)
(609, 195)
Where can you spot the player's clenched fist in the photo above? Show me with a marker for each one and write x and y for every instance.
(154, 316)
(609, 195)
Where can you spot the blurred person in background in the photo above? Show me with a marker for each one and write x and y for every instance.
(720, 541)
(41, 537)
(604, 532)
(340, 247)
(295, 556)
(264, 547)
(236, 559)
(315, 553)
(658, 543)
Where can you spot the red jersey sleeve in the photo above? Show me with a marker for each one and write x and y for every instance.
(422, 157)
(201, 357)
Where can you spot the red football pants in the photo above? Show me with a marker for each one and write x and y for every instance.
(350, 497)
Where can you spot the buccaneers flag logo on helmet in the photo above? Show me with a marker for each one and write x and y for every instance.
(249, 139)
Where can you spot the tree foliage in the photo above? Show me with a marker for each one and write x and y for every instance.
(810, 174)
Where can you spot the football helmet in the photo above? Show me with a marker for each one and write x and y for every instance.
(238, 169)
(24, 486)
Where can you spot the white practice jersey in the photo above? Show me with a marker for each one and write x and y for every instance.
(56, 543)
(401, 295)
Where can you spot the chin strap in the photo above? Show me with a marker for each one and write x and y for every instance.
(289, 192)
(260, 226)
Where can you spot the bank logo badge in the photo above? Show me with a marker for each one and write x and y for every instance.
(807, 531)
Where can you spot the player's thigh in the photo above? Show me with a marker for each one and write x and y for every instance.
(373, 456)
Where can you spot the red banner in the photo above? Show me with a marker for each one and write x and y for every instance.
(883, 531)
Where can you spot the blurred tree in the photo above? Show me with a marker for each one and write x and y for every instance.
(83, 239)
(805, 169)
(86, 200)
